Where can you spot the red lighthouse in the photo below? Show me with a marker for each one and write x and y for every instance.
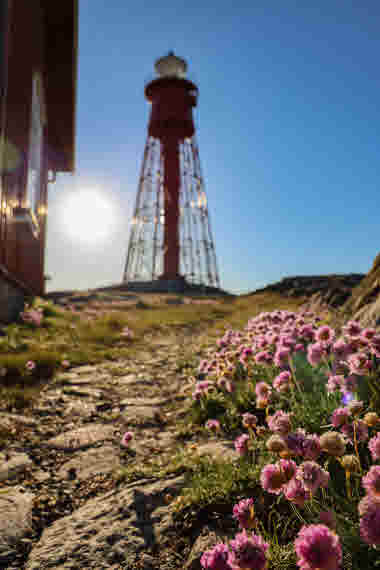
(170, 243)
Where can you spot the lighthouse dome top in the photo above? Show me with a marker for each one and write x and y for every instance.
(171, 66)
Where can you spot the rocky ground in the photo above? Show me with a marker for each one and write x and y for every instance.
(62, 503)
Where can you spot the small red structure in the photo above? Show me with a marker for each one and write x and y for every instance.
(171, 245)
(38, 67)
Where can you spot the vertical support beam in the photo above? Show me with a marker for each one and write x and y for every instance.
(172, 180)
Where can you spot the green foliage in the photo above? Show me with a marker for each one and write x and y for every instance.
(282, 557)
(212, 406)
(220, 481)
(357, 554)
(14, 366)
(313, 409)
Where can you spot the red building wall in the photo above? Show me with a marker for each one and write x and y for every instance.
(22, 252)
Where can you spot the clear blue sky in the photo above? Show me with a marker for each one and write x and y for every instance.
(288, 125)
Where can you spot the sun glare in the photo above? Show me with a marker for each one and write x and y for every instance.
(88, 216)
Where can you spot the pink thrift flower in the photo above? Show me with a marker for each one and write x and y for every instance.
(126, 439)
(32, 316)
(248, 551)
(249, 420)
(241, 444)
(359, 364)
(221, 382)
(262, 390)
(201, 389)
(375, 345)
(65, 363)
(282, 381)
(368, 333)
(340, 416)
(261, 342)
(216, 558)
(279, 423)
(364, 504)
(371, 482)
(203, 366)
(318, 548)
(262, 357)
(272, 478)
(288, 469)
(340, 349)
(126, 333)
(370, 523)
(306, 332)
(244, 513)
(334, 383)
(271, 337)
(296, 492)
(213, 425)
(312, 476)
(352, 329)
(325, 335)
(281, 357)
(30, 365)
(374, 447)
(286, 341)
(311, 448)
(295, 441)
(315, 353)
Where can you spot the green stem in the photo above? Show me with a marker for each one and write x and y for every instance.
(356, 446)
(292, 368)
(348, 485)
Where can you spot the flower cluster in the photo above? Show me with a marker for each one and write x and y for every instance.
(298, 484)
(247, 551)
(369, 507)
(32, 316)
(317, 546)
(126, 333)
(273, 361)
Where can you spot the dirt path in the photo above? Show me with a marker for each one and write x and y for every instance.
(62, 504)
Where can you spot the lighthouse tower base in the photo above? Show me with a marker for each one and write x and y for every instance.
(177, 285)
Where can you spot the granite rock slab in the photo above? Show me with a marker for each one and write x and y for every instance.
(117, 528)
(141, 415)
(79, 408)
(15, 465)
(82, 437)
(88, 463)
(143, 402)
(82, 392)
(16, 519)
(10, 419)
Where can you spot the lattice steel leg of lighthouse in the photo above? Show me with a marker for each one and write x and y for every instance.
(145, 258)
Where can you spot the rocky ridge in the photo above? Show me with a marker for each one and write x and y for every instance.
(332, 290)
(364, 303)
